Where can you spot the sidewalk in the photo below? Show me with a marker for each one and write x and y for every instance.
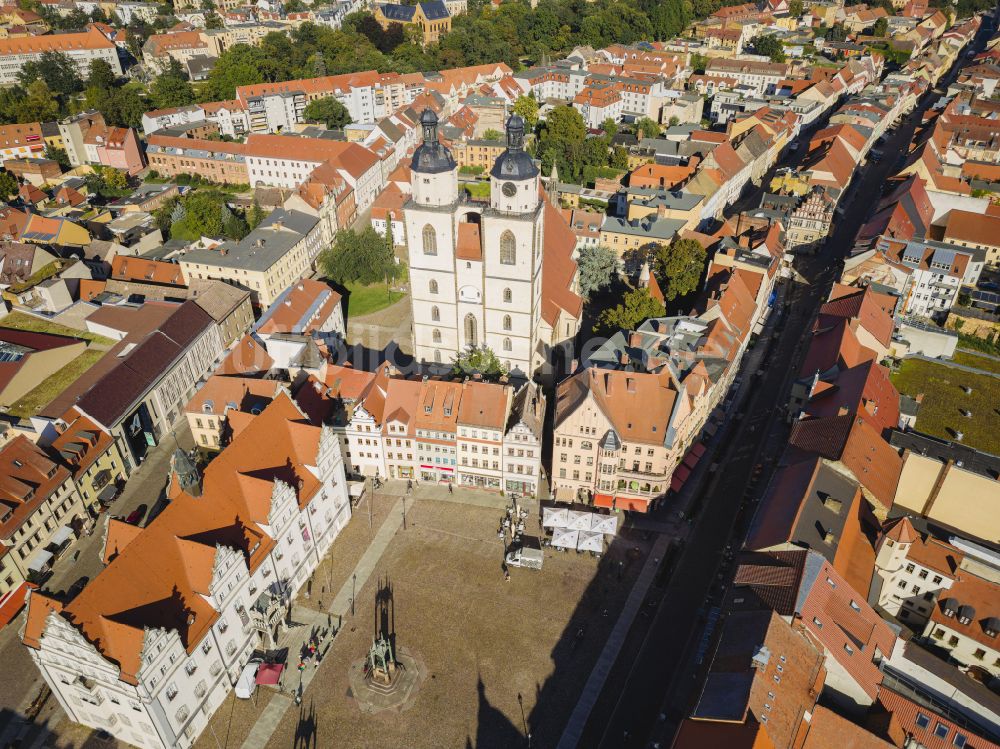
(339, 609)
(612, 647)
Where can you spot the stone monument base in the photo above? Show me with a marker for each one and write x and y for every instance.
(399, 694)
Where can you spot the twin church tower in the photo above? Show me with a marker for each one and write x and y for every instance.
(475, 270)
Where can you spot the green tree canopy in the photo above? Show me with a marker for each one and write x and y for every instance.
(39, 103)
(478, 361)
(55, 68)
(678, 267)
(647, 128)
(795, 8)
(637, 305)
(565, 124)
(527, 108)
(100, 74)
(8, 185)
(492, 134)
(172, 88)
(328, 111)
(598, 267)
(768, 44)
(881, 27)
(360, 256)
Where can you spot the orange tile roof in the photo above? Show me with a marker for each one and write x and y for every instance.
(976, 229)
(27, 477)
(69, 42)
(484, 404)
(141, 270)
(469, 245)
(355, 159)
(248, 357)
(160, 578)
(286, 314)
(220, 393)
(119, 535)
(560, 268)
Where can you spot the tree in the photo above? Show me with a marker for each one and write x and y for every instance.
(637, 305)
(699, 61)
(795, 8)
(881, 28)
(598, 267)
(527, 108)
(492, 134)
(674, 120)
(100, 74)
(363, 257)
(115, 179)
(610, 127)
(213, 20)
(768, 44)
(171, 90)
(565, 123)
(678, 267)
(647, 128)
(39, 104)
(255, 215)
(478, 361)
(619, 158)
(328, 111)
(58, 155)
(8, 185)
(55, 68)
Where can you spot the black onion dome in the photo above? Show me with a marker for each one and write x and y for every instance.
(431, 157)
(514, 163)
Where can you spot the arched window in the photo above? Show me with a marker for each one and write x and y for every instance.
(506, 344)
(471, 331)
(506, 322)
(507, 296)
(433, 286)
(508, 252)
(436, 335)
(435, 314)
(437, 356)
(430, 241)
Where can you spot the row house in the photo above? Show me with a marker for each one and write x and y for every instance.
(287, 161)
(552, 83)
(81, 48)
(149, 658)
(275, 255)
(627, 419)
(761, 77)
(468, 433)
(217, 161)
(938, 272)
(598, 103)
(912, 572)
(42, 510)
(326, 195)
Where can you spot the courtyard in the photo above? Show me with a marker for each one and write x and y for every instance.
(499, 658)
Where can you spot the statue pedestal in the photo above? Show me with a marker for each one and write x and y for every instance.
(393, 690)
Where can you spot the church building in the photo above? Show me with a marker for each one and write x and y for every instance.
(476, 269)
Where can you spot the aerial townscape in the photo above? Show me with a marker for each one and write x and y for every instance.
(503, 374)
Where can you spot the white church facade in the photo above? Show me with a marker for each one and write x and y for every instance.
(476, 270)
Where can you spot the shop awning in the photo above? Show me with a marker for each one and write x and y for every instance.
(683, 472)
(676, 483)
(565, 494)
(604, 500)
(107, 494)
(39, 560)
(693, 456)
(269, 673)
(61, 536)
(632, 504)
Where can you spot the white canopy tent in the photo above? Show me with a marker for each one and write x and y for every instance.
(576, 520)
(564, 538)
(590, 541)
(604, 523)
(554, 517)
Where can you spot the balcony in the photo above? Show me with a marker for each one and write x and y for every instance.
(639, 488)
(633, 473)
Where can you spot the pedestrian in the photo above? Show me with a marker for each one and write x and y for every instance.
(506, 576)
(451, 489)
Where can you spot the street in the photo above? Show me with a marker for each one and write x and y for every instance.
(657, 687)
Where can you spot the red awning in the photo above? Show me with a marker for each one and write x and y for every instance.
(676, 482)
(698, 449)
(12, 602)
(604, 500)
(682, 471)
(635, 505)
(694, 455)
(269, 673)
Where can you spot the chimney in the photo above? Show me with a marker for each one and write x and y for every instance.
(661, 211)
(829, 538)
(842, 411)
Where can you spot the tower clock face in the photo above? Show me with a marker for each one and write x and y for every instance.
(509, 189)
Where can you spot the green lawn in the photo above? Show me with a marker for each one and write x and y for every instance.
(479, 190)
(979, 362)
(52, 386)
(940, 414)
(21, 321)
(364, 300)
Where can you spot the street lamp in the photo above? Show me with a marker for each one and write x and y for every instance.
(354, 583)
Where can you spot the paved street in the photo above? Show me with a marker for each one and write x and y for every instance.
(659, 682)
(22, 682)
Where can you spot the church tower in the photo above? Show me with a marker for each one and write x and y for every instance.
(475, 269)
